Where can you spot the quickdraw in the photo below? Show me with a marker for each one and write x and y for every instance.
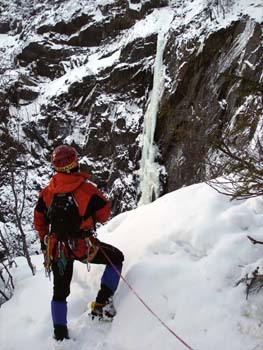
(88, 253)
(62, 261)
(92, 248)
(47, 257)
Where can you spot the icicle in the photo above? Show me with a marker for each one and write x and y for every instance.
(149, 170)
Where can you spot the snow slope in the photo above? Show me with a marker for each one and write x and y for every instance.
(184, 254)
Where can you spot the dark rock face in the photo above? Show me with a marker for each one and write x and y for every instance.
(4, 27)
(210, 86)
(88, 76)
(139, 49)
(67, 28)
(44, 59)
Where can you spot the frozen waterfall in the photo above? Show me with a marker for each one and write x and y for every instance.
(150, 170)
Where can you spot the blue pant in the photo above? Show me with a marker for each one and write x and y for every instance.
(109, 281)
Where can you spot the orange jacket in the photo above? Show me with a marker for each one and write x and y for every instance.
(91, 203)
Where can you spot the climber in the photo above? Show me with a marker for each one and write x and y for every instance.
(65, 218)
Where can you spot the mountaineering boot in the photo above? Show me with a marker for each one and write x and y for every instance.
(59, 316)
(60, 332)
(103, 311)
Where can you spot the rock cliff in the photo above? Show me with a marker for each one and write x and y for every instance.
(82, 72)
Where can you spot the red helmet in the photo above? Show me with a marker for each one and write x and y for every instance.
(64, 158)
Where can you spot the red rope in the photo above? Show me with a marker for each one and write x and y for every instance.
(143, 302)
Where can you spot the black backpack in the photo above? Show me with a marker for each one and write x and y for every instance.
(63, 216)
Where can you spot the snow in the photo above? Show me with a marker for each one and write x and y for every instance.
(60, 85)
(135, 7)
(184, 254)
(70, 8)
(253, 9)
(158, 20)
(7, 40)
